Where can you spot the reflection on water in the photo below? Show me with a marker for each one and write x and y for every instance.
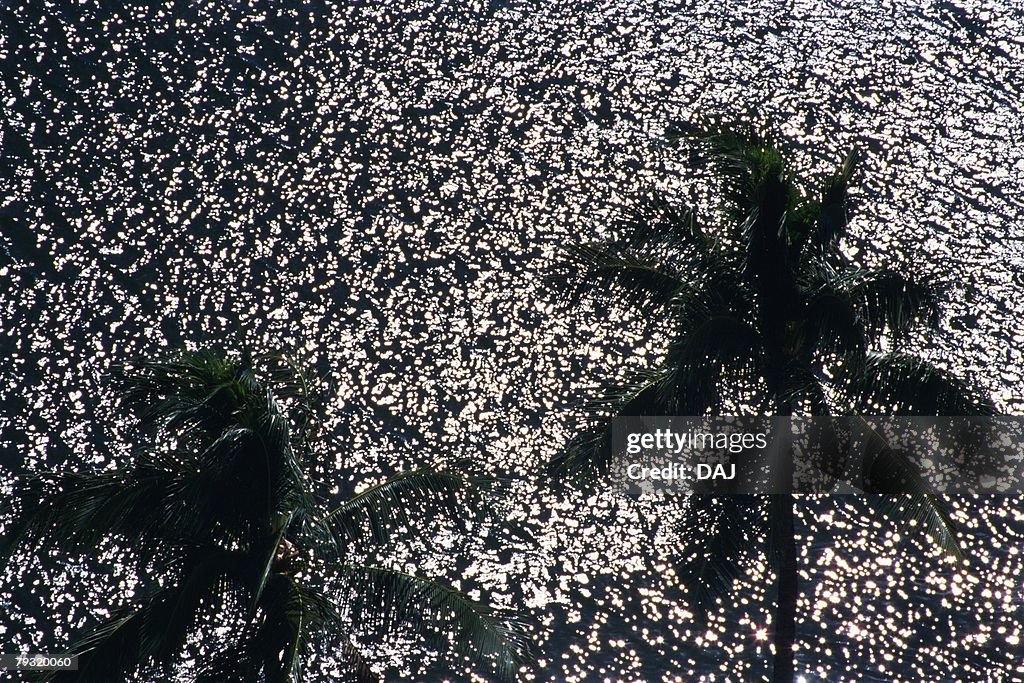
(376, 188)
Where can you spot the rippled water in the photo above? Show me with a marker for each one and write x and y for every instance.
(377, 187)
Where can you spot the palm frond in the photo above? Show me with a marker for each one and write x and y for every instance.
(196, 393)
(165, 496)
(357, 669)
(588, 455)
(665, 230)
(718, 351)
(381, 600)
(77, 510)
(153, 633)
(270, 554)
(219, 462)
(715, 540)
(741, 151)
(889, 301)
(830, 314)
(636, 275)
(398, 502)
(900, 384)
(226, 489)
(801, 392)
(924, 514)
(234, 663)
(109, 652)
(288, 481)
(833, 326)
(908, 499)
(833, 208)
(272, 645)
(205, 578)
(293, 616)
(821, 453)
(233, 488)
(298, 384)
(290, 379)
(243, 479)
(756, 184)
(715, 348)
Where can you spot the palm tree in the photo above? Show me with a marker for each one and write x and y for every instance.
(219, 520)
(763, 314)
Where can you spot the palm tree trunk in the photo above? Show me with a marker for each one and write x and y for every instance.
(784, 633)
(783, 542)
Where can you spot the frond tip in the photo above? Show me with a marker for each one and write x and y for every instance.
(901, 384)
(396, 503)
(635, 275)
(381, 600)
(719, 533)
(889, 301)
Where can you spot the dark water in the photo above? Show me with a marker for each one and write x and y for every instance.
(376, 187)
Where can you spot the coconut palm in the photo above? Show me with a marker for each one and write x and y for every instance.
(763, 313)
(218, 518)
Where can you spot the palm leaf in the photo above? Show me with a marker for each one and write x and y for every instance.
(153, 633)
(908, 500)
(197, 393)
(833, 326)
(889, 301)
(718, 351)
(636, 275)
(231, 664)
(755, 182)
(109, 652)
(305, 391)
(221, 464)
(901, 384)
(273, 644)
(658, 250)
(357, 669)
(234, 487)
(400, 501)
(293, 616)
(381, 600)
(243, 479)
(76, 510)
(268, 561)
(654, 222)
(801, 392)
(830, 314)
(717, 534)
(588, 455)
(833, 208)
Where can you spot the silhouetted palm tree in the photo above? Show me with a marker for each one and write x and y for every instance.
(221, 524)
(763, 313)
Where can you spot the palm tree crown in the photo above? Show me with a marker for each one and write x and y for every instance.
(764, 314)
(223, 528)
